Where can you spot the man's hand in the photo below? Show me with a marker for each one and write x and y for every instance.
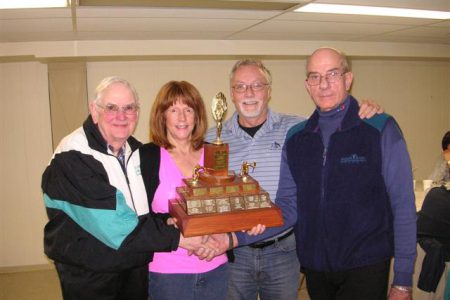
(224, 241)
(396, 294)
(368, 108)
(258, 229)
(202, 246)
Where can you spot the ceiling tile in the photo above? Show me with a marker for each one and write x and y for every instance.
(307, 36)
(161, 24)
(414, 4)
(324, 27)
(147, 35)
(351, 19)
(423, 31)
(445, 24)
(132, 12)
(407, 39)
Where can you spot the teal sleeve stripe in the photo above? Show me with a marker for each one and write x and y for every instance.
(296, 128)
(111, 227)
(377, 121)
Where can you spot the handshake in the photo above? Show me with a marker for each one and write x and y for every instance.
(209, 246)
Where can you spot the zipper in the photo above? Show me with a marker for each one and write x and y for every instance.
(322, 186)
(125, 173)
(324, 156)
(322, 204)
(128, 181)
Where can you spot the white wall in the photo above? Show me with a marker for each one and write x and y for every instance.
(415, 91)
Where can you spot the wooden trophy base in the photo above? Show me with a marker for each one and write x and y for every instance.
(194, 225)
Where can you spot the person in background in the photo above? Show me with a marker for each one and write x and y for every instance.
(350, 184)
(433, 236)
(100, 232)
(441, 172)
(255, 133)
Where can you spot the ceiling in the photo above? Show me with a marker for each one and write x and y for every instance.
(219, 20)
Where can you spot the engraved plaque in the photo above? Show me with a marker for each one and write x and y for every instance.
(216, 159)
(221, 159)
(194, 204)
(216, 190)
(251, 201)
(223, 205)
(237, 203)
(264, 200)
(210, 206)
(200, 192)
(249, 187)
(230, 189)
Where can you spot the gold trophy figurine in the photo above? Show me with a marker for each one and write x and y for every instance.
(216, 153)
(245, 168)
(219, 108)
(196, 174)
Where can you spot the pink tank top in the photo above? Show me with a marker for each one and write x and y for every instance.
(176, 261)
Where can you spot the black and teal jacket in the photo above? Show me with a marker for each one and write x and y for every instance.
(99, 216)
(352, 198)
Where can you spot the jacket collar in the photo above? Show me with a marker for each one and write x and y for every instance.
(351, 118)
(96, 140)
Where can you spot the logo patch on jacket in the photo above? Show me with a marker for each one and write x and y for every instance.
(353, 159)
(138, 170)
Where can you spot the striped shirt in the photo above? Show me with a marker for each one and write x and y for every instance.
(264, 148)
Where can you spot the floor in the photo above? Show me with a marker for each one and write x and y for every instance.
(43, 284)
(30, 285)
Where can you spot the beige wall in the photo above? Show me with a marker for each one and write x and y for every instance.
(415, 91)
(25, 150)
(68, 97)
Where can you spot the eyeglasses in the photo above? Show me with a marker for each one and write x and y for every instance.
(255, 86)
(112, 109)
(330, 77)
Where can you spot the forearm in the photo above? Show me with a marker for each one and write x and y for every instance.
(152, 234)
(397, 173)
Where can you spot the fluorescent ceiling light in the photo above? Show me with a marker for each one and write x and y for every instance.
(11, 4)
(373, 11)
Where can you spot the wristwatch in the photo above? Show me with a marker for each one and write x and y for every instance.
(404, 289)
(230, 241)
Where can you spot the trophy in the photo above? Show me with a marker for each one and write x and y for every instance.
(216, 154)
(216, 200)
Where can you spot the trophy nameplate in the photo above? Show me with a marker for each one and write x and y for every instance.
(216, 158)
(216, 200)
